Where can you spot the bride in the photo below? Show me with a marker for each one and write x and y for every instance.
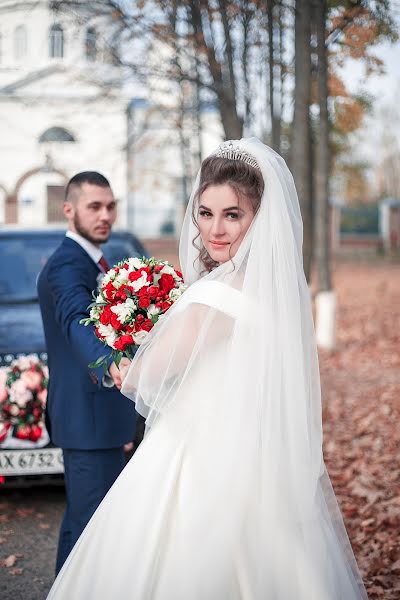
(227, 498)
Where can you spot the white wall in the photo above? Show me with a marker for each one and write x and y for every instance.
(99, 129)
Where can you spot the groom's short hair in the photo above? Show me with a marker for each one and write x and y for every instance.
(91, 177)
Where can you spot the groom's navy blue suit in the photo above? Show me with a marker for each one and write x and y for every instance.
(90, 422)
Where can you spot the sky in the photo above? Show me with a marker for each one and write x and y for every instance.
(369, 141)
(382, 87)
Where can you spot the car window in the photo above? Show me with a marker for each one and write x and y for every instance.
(23, 257)
(21, 260)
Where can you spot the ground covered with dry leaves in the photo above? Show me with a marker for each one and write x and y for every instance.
(361, 400)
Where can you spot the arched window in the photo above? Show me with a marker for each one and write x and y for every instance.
(56, 134)
(56, 41)
(20, 42)
(91, 44)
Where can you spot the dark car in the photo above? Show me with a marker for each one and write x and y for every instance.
(22, 255)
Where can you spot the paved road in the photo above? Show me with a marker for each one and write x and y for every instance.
(29, 524)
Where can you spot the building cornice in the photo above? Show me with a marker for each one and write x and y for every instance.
(16, 6)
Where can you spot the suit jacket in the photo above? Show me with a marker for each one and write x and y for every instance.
(82, 414)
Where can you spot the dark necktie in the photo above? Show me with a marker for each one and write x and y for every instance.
(104, 265)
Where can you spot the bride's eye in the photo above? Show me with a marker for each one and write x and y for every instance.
(204, 213)
(232, 215)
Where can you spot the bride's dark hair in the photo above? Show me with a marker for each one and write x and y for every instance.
(245, 180)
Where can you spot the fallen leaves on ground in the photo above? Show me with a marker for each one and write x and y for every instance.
(361, 400)
(10, 560)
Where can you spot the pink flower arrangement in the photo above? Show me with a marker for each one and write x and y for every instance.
(23, 394)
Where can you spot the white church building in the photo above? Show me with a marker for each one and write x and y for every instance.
(63, 109)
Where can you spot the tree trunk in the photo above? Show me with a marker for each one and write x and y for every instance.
(321, 174)
(301, 134)
(326, 298)
(274, 91)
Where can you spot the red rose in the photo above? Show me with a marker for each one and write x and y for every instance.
(144, 302)
(153, 291)
(23, 432)
(109, 290)
(37, 412)
(105, 317)
(147, 325)
(166, 283)
(143, 291)
(121, 294)
(179, 274)
(115, 322)
(35, 433)
(134, 275)
(165, 306)
(123, 342)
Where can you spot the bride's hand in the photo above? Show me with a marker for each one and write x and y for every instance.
(124, 368)
(118, 374)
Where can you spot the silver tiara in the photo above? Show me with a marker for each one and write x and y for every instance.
(230, 150)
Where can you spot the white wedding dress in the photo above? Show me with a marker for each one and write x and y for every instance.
(169, 529)
(227, 497)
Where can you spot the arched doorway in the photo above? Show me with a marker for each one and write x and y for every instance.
(40, 195)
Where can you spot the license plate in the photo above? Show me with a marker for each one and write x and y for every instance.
(40, 461)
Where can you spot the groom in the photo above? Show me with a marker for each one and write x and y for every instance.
(86, 414)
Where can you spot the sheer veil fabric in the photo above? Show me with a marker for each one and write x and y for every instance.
(230, 496)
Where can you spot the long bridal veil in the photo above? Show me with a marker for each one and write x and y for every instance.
(238, 352)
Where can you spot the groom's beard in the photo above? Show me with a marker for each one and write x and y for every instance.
(91, 235)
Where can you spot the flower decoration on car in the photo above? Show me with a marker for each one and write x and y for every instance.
(23, 395)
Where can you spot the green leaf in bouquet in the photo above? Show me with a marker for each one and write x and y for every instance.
(86, 321)
(102, 360)
(97, 304)
(154, 318)
(116, 356)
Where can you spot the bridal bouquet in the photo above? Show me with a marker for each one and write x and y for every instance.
(23, 394)
(132, 296)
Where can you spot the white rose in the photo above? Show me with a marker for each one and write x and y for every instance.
(140, 336)
(121, 279)
(14, 410)
(19, 393)
(25, 362)
(139, 283)
(175, 294)
(136, 263)
(109, 277)
(111, 339)
(95, 312)
(124, 310)
(152, 310)
(168, 270)
(105, 330)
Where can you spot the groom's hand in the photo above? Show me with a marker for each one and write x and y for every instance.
(118, 373)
